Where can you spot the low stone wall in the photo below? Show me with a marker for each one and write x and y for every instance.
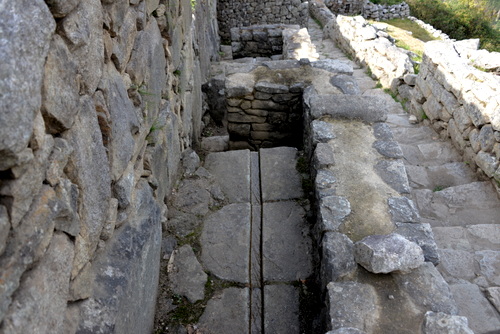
(430, 29)
(378, 12)
(461, 102)
(99, 99)
(244, 13)
(258, 40)
(349, 7)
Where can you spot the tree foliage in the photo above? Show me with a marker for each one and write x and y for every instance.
(461, 19)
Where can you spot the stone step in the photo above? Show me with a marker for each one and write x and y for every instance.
(463, 205)
(442, 176)
(430, 154)
(469, 238)
(414, 135)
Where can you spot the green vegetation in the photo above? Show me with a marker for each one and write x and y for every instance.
(416, 30)
(438, 188)
(193, 5)
(462, 19)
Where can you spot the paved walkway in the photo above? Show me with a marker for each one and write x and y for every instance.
(464, 213)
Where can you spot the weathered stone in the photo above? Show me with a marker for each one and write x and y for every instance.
(232, 171)
(337, 261)
(124, 40)
(489, 265)
(268, 105)
(192, 197)
(403, 210)
(242, 117)
(281, 314)
(382, 131)
(487, 162)
(428, 289)
(40, 304)
(493, 295)
(442, 323)
(88, 168)
(26, 29)
(367, 108)
(280, 178)
(58, 160)
(346, 83)
(190, 161)
(321, 132)
(422, 235)
(388, 253)
(239, 85)
(333, 66)
(181, 224)
(332, 212)
(60, 90)
(457, 264)
(29, 242)
(389, 149)
(186, 275)
(323, 156)
(126, 274)
(239, 130)
(324, 183)
(360, 313)
(483, 318)
(394, 174)
(286, 249)
(227, 312)
(215, 143)
(81, 286)
(67, 219)
(410, 79)
(271, 88)
(61, 8)
(4, 228)
(83, 28)
(234, 219)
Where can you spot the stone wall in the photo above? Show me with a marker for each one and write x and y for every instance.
(377, 12)
(244, 13)
(99, 99)
(461, 102)
(348, 7)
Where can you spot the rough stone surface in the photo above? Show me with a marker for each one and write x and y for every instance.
(215, 143)
(227, 313)
(337, 261)
(366, 108)
(388, 253)
(323, 156)
(280, 178)
(403, 210)
(389, 149)
(493, 295)
(360, 313)
(287, 250)
(186, 275)
(347, 84)
(332, 212)
(394, 174)
(422, 235)
(233, 265)
(442, 323)
(322, 132)
(281, 313)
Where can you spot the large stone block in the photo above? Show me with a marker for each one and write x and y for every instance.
(337, 261)
(186, 275)
(26, 27)
(367, 108)
(126, 274)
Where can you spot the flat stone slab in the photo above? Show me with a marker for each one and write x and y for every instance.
(228, 312)
(287, 252)
(428, 154)
(366, 108)
(186, 275)
(473, 203)
(225, 242)
(232, 171)
(281, 309)
(414, 135)
(483, 317)
(430, 177)
(280, 179)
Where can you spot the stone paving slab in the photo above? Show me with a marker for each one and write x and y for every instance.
(430, 177)
(287, 249)
(483, 318)
(232, 171)
(225, 242)
(228, 312)
(428, 154)
(281, 309)
(280, 179)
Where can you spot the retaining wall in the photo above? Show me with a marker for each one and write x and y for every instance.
(99, 99)
(244, 13)
(378, 12)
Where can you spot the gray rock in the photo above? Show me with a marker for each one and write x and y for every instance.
(67, 219)
(457, 265)
(4, 228)
(361, 312)
(58, 160)
(321, 132)
(403, 210)
(279, 177)
(346, 330)
(493, 295)
(239, 85)
(61, 8)
(427, 289)
(41, 301)
(30, 24)
(126, 274)
(422, 235)
(186, 275)
(234, 220)
(190, 161)
(281, 312)
(60, 93)
(271, 88)
(388, 253)
(389, 149)
(483, 318)
(393, 173)
(333, 66)
(215, 143)
(323, 156)
(181, 224)
(332, 212)
(489, 265)
(216, 100)
(228, 312)
(287, 249)
(324, 183)
(88, 168)
(487, 162)
(442, 323)
(83, 29)
(124, 40)
(382, 131)
(191, 197)
(232, 171)
(337, 261)
(346, 83)
(366, 108)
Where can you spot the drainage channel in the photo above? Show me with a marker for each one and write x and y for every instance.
(253, 251)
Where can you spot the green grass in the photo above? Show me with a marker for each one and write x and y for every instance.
(416, 30)
(438, 188)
